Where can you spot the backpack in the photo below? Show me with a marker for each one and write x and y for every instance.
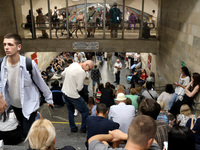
(29, 69)
(115, 15)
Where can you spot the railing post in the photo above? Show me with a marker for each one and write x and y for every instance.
(67, 18)
(141, 22)
(32, 21)
(85, 18)
(123, 19)
(49, 18)
(104, 19)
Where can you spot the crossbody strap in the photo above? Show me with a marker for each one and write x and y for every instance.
(150, 94)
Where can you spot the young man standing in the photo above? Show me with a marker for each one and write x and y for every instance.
(17, 87)
(73, 83)
(115, 20)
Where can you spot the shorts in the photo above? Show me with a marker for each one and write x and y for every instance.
(93, 82)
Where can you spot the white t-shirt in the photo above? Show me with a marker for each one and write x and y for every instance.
(118, 65)
(73, 82)
(10, 124)
(14, 84)
(165, 97)
(183, 81)
(136, 56)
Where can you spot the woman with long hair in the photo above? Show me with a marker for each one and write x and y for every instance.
(184, 80)
(191, 90)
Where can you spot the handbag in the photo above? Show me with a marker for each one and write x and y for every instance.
(115, 71)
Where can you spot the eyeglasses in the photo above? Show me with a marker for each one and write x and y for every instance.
(88, 67)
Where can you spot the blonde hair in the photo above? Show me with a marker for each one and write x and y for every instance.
(185, 110)
(162, 105)
(41, 135)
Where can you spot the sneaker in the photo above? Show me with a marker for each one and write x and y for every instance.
(76, 112)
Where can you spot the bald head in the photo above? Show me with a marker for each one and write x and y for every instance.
(88, 65)
(118, 61)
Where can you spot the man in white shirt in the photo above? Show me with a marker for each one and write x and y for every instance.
(117, 68)
(122, 113)
(73, 83)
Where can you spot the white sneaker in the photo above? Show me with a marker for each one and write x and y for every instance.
(76, 112)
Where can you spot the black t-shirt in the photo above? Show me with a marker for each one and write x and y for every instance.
(57, 96)
(107, 97)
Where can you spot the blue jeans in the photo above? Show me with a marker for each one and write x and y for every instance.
(117, 76)
(80, 105)
(172, 100)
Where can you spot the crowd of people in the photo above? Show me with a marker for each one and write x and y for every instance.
(94, 18)
(130, 118)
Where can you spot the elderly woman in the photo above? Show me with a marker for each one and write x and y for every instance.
(42, 136)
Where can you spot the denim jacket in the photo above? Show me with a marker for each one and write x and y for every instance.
(29, 93)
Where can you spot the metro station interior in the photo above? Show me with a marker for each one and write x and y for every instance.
(174, 41)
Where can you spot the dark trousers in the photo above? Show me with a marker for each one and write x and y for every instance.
(13, 137)
(80, 105)
(117, 77)
(113, 29)
(25, 123)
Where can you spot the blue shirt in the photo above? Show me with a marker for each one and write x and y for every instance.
(99, 125)
(28, 91)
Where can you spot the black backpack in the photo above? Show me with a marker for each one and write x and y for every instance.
(29, 68)
(115, 15)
